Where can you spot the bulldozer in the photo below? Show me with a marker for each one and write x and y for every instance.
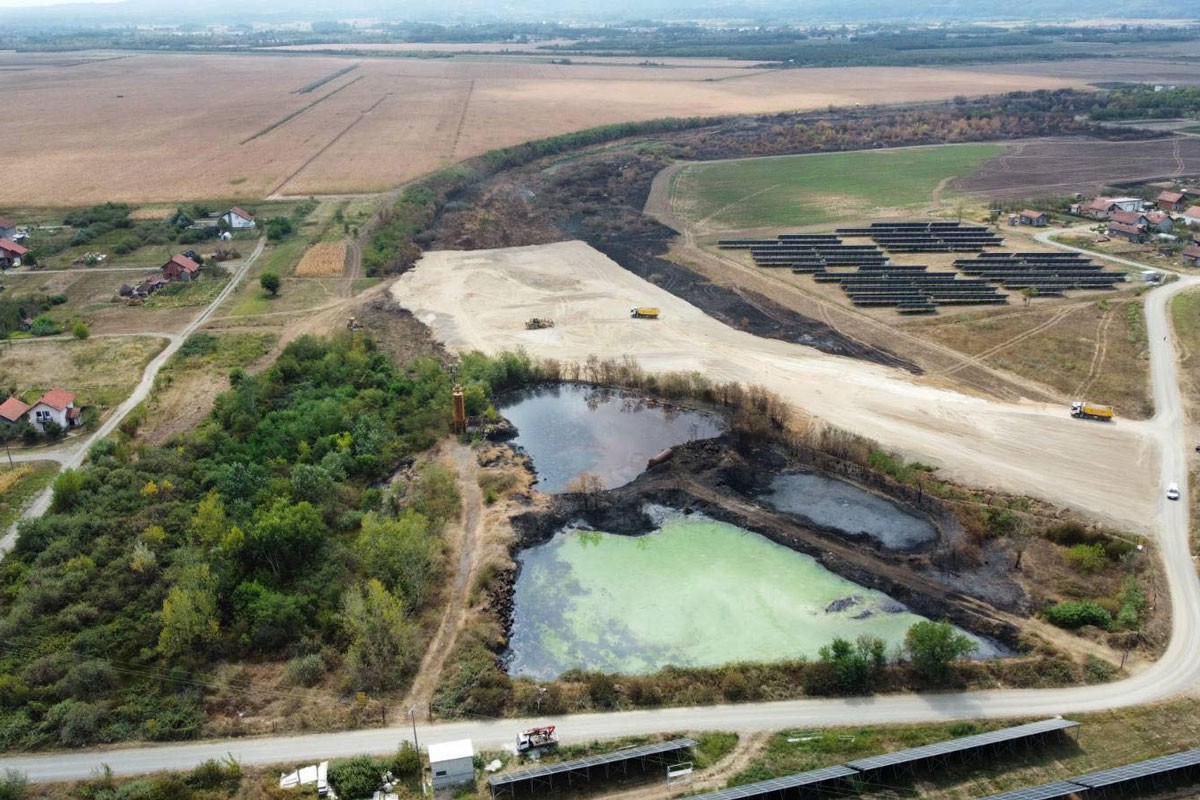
(537, 323)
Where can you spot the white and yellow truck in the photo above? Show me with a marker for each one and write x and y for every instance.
(1081, 409)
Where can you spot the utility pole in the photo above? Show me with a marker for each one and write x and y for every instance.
(412, 714)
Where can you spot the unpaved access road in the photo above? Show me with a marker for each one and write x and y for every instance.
(481, 300)
(458, 314)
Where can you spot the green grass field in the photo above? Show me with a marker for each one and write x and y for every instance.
(813, 189)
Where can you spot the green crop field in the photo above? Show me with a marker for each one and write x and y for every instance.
(813, 189)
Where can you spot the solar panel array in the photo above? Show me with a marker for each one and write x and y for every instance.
(1049, 273)
(1142, 769)
(910, 289)
(961, 744)
(783, 784)
(1154, 767)
(614, 757)
(806, 252)
(927, 237)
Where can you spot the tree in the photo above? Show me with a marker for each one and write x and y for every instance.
(401, 553)
(1029, 292)
(934, 646)
(285, 535)
(383, 648)
(270, 282)
(189, 613)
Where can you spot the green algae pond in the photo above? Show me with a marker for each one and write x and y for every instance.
(695, 592)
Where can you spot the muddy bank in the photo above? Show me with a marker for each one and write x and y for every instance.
(712, 477)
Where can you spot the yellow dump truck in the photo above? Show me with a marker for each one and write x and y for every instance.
(1085, 410)
(643, 312)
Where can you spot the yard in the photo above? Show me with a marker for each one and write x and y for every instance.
(792, 191)
(100, 371)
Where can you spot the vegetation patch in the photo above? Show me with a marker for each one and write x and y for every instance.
(812, 189)
(19, 485)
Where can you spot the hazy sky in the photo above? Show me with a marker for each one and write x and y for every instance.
(32, 3)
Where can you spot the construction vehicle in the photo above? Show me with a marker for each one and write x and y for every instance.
(1083, 410)
(643, 312)
(537, 739)
(538, 323)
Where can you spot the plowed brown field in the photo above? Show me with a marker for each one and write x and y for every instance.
(168, 127)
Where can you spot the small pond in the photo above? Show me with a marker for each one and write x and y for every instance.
(840, 506)
(693, 593)
(569, 429)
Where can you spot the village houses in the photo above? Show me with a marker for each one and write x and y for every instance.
(11, 253)
(56, 405)
(238, 220)
(1172, 201)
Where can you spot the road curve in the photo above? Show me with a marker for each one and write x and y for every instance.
(1176, 671)
(73, 458)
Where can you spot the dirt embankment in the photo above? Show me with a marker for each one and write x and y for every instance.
(725, 482)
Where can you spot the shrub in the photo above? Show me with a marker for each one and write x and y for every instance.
(1088, 557)
(407, 761)
(306, 670)
(80, 331)
(355, 778)
(1077, 613)
(13, 785)
(44, 326)
(934, 646)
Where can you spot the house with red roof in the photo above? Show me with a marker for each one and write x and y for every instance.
(12, 411)
(1125, 230)
(180, 268)
(237, 219)
(8, 228)
(56, 405)
(1190, 216)
(1191, 257)
(1172, 201)
(1035, 218)
(11, 253)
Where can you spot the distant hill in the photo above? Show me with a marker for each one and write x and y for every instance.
(794, 11)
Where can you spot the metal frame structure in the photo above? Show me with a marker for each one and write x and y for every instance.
(551, 776)
(833, 780)
(1150, 776)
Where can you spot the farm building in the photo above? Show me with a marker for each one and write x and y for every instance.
(8, 228)
(1190, 216)
(1191, 254)
(1035, 218)
(56, 405)
(11, 253)
(12, 411)
(1124, 230)
(1135, 218)
(1105, 207)
(1172, 201)
(180, 268)
(238, 220)
(452, 763)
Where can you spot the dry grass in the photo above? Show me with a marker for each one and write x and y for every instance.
(101, 372)
(1093, 349)
(404, 117)
(322, 260)
(10, 478)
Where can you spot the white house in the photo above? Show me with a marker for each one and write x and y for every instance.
(452, 763)
(1190, 217)
(238, 220)
(57, 405)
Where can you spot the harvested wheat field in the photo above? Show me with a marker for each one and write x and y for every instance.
(322, 260)
(253, 126)
(480, 300)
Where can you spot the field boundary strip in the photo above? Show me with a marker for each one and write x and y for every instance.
(328, 145)
(317, 84)
(299, 111)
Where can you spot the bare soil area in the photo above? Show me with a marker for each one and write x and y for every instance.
(242, 129)
(481, 300)
(1063, 165)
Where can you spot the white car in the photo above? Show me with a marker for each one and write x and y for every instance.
(1172, 491)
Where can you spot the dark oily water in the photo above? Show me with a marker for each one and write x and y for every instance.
(569, 429)
(835, 504)
(694, 593)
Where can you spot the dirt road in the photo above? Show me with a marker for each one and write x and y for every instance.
(481, 299)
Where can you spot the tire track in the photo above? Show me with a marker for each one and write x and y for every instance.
(361, 115)
(991, 351)
(1097, 356)
(462, 121)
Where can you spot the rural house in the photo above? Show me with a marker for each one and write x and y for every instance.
(1130, 218)
(1190, 216)
(8, 228)
(146, 288)
(1191, 257)
(11, 412)
(180, 268)
(1125, 230)
(11, 253)
(1160, 221)
(1105, 207)
(56, 405)
(1035, 218)
(1172, 201)
(238, 220)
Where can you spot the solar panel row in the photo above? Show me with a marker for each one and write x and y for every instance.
(1154, 767)
(575, 765)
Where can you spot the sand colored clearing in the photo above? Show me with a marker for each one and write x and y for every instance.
(170, 127)
(481, 300)
(322, 260)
